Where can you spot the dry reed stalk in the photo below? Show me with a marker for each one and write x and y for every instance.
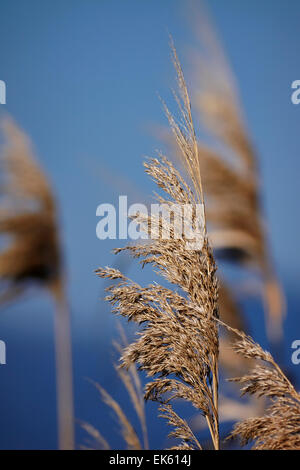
(28, 217)
(179, 337)
(64, 373)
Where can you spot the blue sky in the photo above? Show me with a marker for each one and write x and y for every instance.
(82, 78)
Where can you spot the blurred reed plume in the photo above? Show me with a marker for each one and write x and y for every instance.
(31, 254)
(230, 172)
(230, 312)
(178, 345)
(279, 427)
(131, 381)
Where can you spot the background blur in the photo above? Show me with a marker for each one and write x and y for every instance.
(82, 79)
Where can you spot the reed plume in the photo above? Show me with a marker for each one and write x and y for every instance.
(31, 254)
(178, 341)
(178, 344)
(279, 427)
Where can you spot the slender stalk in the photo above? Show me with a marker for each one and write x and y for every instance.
(64, 376)
(145, 435)
(211, 430)
(216, 403)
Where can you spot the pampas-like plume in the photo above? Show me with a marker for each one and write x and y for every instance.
(279, 427)
(28, 219)
(178, 345)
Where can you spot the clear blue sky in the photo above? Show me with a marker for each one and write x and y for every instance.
(82, 78)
